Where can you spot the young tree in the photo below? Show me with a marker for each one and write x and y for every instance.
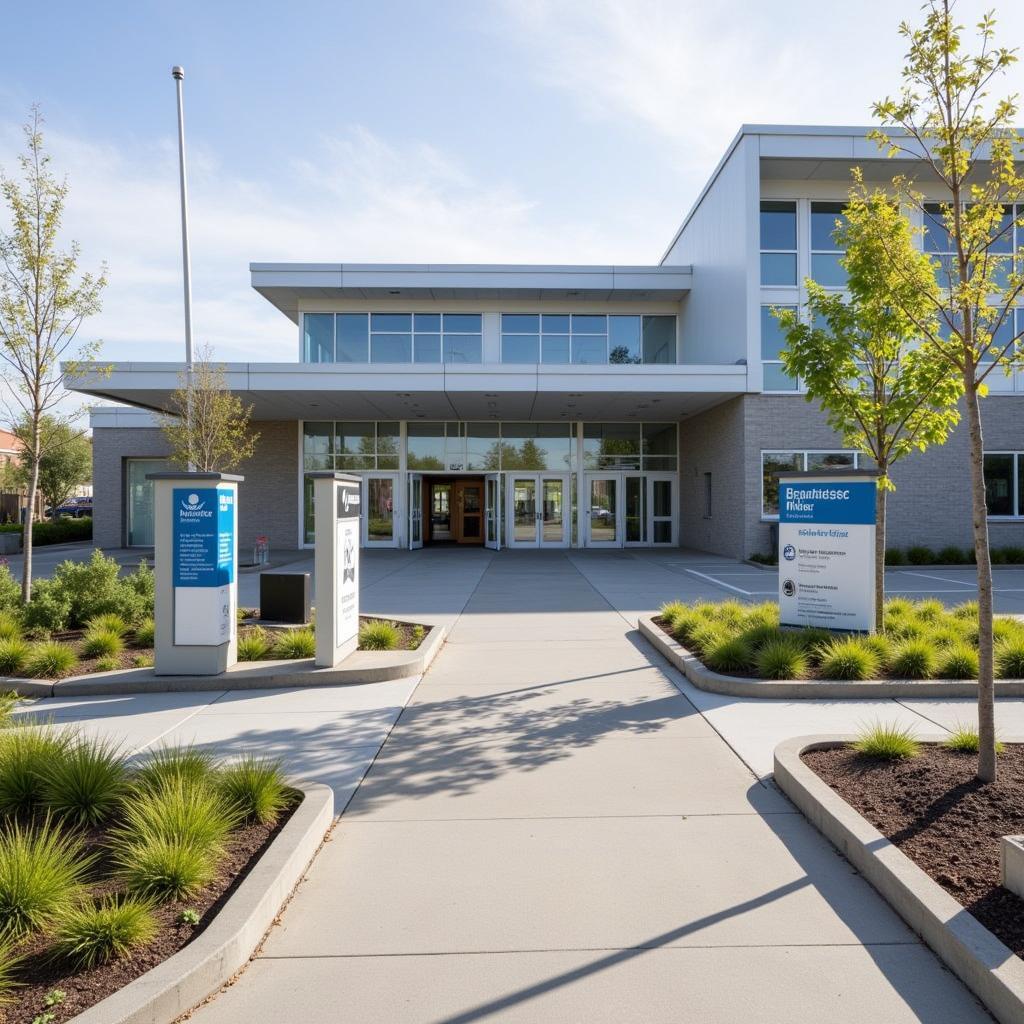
(966, 145)
(65, 461)
(860, 357)
(208, 428)
(43, 302)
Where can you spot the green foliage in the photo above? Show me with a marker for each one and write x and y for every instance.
(143, 661)
(108, 622)
(61, 531)
(914, 659)
(50, 659)
(108, 663)
(1009, 659)
(65, 458)
(189, 916)
(882, 646)
(256, 786)
(849, 658)
(762, 559)
(930, 610)
(10, 591)
(730, 654)
(670, 611)
(295, 643)
(145, 633)
(968, 610)
(757, 636)
(418, 634)
(783, 658)
(100, 931)
(8, 702)
(920, 555)
(10, 961)
(49, 610)
(42, 875)
(952, 555)
(94, 588)
(963, 738)
(10, 626)
(164, 869)
(895, 556)
(887, 742)
(813, 639)
(686, 624)
(87, 782)
(958, 661)
(13, 655)
(175, 765)
(254, 644)
(27, 754)
(102, 643)
(379, 635)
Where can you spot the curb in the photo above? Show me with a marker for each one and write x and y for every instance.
(789, 689)
(359, 667)
(170, 989)
(987, 967)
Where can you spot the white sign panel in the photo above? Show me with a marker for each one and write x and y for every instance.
(346, 594)
(827, 552)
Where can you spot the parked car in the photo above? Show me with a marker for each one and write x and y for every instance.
(597, 512)
(76, 508)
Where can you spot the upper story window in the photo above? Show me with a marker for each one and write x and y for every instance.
(826, 220)
(587, 338)
(392, 338)
(778, 243)
(773, 341)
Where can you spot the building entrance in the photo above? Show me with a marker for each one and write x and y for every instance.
(453, 510)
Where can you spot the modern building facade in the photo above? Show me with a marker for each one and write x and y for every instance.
(564, 406)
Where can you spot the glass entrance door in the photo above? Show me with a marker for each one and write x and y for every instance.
(602, 511)
(537, 511)
(380, 496)
(522, 508)
(415, 510)
(661, 521)
(492, 511)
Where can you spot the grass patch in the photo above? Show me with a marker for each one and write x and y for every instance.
(379, 635)
(27, 754)
(1009, 658)
(164, 869)
(108, 622)
(14, 654)
(783, 658)
(100, 931)
(295, 643)
(253, 645)
(256, 787)
(10, 961)
(145, 633)
(49, 659)
(87, 782)
(914, 659)
(886, 742)
(958, 661)
(848, 659)
(102, 643)
(964, 739)
(10, 625)
(730, 654)
(176, 765)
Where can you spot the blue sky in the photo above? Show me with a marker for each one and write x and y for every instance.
(500, 130)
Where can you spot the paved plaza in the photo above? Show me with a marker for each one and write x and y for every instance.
(552, 825)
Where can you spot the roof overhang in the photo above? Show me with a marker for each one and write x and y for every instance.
(287, 284)
(296, 391)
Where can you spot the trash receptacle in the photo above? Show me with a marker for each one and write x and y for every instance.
(773, 533)
(285, 597)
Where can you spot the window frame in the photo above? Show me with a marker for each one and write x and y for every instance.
(570, 334)
(795, 251)
(773, 517)
(1016, 516)
(812, 251)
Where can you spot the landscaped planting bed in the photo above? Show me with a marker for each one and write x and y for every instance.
(110, 866)
(930, 804)
(921, 640)
(259, 643)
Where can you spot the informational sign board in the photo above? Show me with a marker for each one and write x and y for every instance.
(827, 550)
(204, 565)
(347, 555)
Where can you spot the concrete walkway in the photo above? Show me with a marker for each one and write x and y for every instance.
(553, 832)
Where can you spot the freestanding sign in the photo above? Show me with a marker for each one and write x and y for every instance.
(337, 511)
(827, 549)
(196, 562)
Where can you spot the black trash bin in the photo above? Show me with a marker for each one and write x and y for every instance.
(773, 533)
(285, 597)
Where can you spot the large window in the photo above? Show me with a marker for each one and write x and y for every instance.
(533, 338)
(1004, 486)
(139, 496)
(773, 462)
(773, 341)
(646, 446)
(392, 337)
(778, 243)
(826, 219)
(490, 447)
(348, 446)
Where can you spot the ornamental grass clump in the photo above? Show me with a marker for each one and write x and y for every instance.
(86, 784)
(813, 639)
(295, 643)
(783, 658)
(887, 742)
(108, 622)
(379, 635)
(730, 654)
(28, 753)
(50, 659)
(705, 637)
(670, 610)
(958, 661)
(930, 610)
(186, 765)
(881, 645)
(963, 739)
(10, 626)
(254, 645)
(686, 624)
(1009, 659)
(256, 787)
(102, 643)
(145, 633)
(913, 659)
(760, 635)
(10, 961)
(42, 875)
(14, 653)
(848, 659)
(102, 930)
(164, 869)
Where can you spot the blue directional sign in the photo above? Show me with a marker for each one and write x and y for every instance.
(830, 502)
(204, 537)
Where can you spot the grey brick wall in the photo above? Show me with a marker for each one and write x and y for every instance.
(268, 499)
(931, 503)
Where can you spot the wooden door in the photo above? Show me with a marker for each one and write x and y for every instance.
(468, 518)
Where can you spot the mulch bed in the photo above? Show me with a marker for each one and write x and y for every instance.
(934, 809)
(125, 660)
(407, 640)
(41, 973)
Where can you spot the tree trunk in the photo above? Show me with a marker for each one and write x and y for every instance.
(880, 557)
(26, 542)
(979, 513)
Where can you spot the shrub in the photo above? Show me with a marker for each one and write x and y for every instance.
(42, 875)
(108, 622)
(295, 643)
(145, 633)
(729, 612)
(180, 811)
(100, 643)
(882, 647)
(898, 607)
(813, 639)
(253, 645)
(783, 658)
(379, 635)
(1009, 659)
(13, 655)
(108, 663)
(170, 766)
(920, 555)
(762, 559)
(848, 658)
(964, 740)
(49, 610)
(27, 753)
(61, 531)
(50, 659)
(914, 659)
(894, 556)
(764, 614)
(958, 661)
(670, 610)
(908, 627)
(730, 654)
(686, 624)
(930, 610)
(10, 626)
(86, 783)
(950, 635)
(256, 787)
(887, 742)
(143, 661)
(10, 589)
(952, 555)
(1014, 555)
(967, 610)
(757, 636)
(704, 638)
(98, 932)
(94, 588)
(164, 869)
